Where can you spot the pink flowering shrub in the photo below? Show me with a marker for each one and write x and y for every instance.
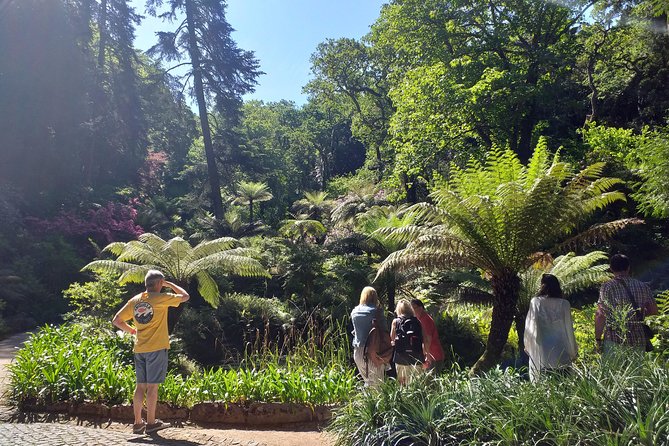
(151, 173)
(105, 224)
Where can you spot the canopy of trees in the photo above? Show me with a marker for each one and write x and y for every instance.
(101, 142)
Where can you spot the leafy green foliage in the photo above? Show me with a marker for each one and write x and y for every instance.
(272, 383)
(98, 298)
(643, 155)
(177, 259)
(70, 363)
(660, 324)
(614, 401)
(227, 333)
(501, 217)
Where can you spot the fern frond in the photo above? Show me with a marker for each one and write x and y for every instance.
(662, 301)
(585, 176)
(538, 163)
(208, 288)
(115, 248)
(601, 201)
(596, 234)
(211, 247)
(135, 274)
(138, 252)
(108, 266)
(421, 259)
(402, 235)
(230, 263)
(152, 240)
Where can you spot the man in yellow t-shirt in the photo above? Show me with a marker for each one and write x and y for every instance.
(148, 311)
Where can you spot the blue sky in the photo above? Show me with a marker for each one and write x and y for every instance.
(283, 34)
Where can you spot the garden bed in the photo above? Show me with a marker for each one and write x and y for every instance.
(69, 370)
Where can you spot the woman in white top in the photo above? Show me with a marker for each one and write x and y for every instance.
(549, 330)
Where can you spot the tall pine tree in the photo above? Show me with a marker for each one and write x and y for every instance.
(220, 71)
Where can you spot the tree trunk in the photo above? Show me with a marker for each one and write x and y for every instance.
(174, 313)
(520, 329)
(594, 93)
(173, 316)
(524, 148)
(102, 30)
(212, 170)
(391, 288)
(250, 211)
(505, 288)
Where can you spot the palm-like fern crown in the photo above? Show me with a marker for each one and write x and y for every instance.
(377, 221)
(575, 273)
(316, 198)
(252, 192)
(354, 203)
(177, 259)
(302, 227)
(499, 215)
(314, 204)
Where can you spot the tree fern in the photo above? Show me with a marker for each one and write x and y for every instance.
(575, 273)
(499, 216)
(178, 260)
(249, 192)
(302, 228)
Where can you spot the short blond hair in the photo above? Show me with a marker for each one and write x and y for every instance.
(404, 308)
(369, 296)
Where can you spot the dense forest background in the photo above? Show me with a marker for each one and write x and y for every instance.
(100, 142)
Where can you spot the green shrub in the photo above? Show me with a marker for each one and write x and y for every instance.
(98, 299)
(660, 325)
(616, 401)
(76, 363)
(584, 331)
(71, 362)
(215, 336)
(463, 329)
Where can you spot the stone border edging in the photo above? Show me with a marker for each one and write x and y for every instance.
(252, 414)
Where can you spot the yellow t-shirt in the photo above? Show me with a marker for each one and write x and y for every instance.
(149, 313)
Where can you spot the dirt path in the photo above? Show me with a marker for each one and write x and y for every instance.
(307, 435)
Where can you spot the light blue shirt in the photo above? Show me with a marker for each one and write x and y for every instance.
(362, 316)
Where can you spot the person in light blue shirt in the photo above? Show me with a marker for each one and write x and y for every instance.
(362, 316)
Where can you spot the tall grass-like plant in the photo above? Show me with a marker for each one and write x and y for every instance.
(621, 400)
(72, 363)
(315, 346)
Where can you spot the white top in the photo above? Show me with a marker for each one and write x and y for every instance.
(549, 334)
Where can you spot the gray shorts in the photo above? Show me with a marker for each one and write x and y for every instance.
(151, 367)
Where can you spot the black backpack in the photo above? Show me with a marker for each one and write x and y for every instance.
(408, 341)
